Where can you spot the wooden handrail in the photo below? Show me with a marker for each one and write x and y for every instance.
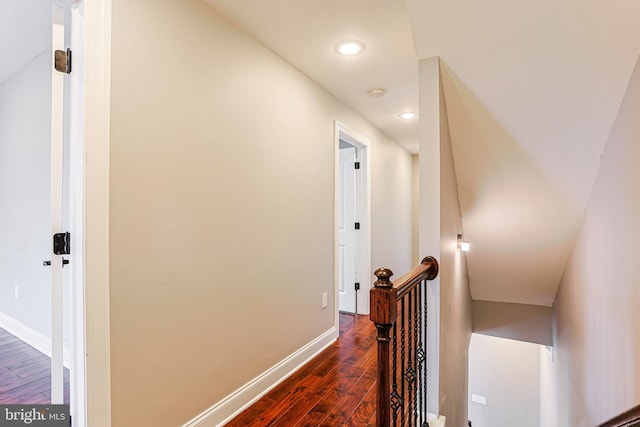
(428, 269)
(630, 418)
(383, 313)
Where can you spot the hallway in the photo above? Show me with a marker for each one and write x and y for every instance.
(336, 388)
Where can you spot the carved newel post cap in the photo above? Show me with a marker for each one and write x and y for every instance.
(383, 275)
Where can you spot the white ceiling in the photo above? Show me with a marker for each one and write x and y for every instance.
(25, 32)
(305, 34)
(532, 90)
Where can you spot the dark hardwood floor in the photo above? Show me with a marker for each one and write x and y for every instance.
(25, 373)
(336, 388)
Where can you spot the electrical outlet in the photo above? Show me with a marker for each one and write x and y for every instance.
(476, 398)
(16, 293)
(324, 300)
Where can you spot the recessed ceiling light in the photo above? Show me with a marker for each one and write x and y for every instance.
(349, 47)
(408, 115)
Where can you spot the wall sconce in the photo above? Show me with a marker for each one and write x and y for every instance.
(463, 245)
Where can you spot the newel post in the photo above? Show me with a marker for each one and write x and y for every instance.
(383, 313)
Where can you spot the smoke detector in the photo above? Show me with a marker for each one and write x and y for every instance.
(376, 92)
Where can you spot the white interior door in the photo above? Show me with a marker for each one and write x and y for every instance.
(58, 80)
(33, 149)
(347, 233)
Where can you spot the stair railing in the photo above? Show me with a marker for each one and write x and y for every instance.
(399, 312)
(630, 418)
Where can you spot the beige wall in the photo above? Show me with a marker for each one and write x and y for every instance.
(507, 374)
(596, 317)
(548, 392)
(440, 222)
(415, 213)
(222, 209)
(429, 212)
(391, 208)
(455, 296)
(524, 322)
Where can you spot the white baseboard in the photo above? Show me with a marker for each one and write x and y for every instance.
(436, 421)
(30, 336)
(229, 407)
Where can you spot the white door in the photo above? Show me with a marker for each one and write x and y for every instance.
(58, 253)
(348, 257)
(31, 182)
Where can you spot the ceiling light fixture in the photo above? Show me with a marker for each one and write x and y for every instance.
(349, 47)
(463, 245)
(408, 115)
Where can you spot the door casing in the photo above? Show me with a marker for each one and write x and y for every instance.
(341, 131)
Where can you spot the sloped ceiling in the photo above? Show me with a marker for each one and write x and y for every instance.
(532, 90)
(25, 32)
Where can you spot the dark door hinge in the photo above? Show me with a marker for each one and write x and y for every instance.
(357, 165)
(62, 243)
(62, 61)
(357, 226)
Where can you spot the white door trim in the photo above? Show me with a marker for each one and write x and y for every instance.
(57, 148)
(90, 88)
(78, 375)
(365, 273)
(94, 20)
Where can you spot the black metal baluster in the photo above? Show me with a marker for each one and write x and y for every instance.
(396, 402)
(402, 359)
(420, 354)
(418, 367)
(410, 376)
(416, 353)
(425, 286)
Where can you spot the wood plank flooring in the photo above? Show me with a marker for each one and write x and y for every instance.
(336, 388)
(25, 373)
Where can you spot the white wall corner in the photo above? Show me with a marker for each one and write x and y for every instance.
(429, 211)
(232, 405)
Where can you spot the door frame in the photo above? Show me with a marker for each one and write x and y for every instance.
(89, 140)
(341, 131)
(93, 20)
(89, 137)
(77, 372)
(68, 13)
